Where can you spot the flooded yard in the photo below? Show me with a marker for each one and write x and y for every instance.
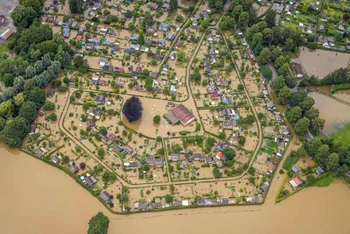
(321, 62)
(335, 113)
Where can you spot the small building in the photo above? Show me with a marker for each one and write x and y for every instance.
(164, 27)
(66, 31)
(2, 19)
(90, 124)
(94, 112)
(279, 152)
(56, 159)
(72, 168)
(104, 195)
(296, 182)
(264, 188)
(99, 99)
(319, 171)
(90, 180)
(253, 199)
(271, 106)
(174, 157)
(295, 168)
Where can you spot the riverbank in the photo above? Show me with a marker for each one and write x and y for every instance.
(37, 198)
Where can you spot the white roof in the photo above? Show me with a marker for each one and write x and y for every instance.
(185, 203)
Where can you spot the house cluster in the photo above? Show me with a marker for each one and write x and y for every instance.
(213, 89)
(158, 203)
(123, 149)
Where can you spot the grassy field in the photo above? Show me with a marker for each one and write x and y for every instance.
(344, 135)
(325, 181)
(4, 48)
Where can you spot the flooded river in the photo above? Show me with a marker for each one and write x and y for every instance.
(38, 198)
(322, 62)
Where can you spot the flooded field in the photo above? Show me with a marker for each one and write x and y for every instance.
(335, 113)
(343, 95)
(321, 62)
(34, 200)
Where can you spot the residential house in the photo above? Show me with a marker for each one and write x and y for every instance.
(157, 203)
(94, 112)
(164, 27)
(279, 152)
(40, 152)
(264, 188)
(226, 99)
(72, 168)
(244, 41)
(279, 117)
(170, 37)
(106, 139)
(132, 165)
(140, 205)
(66, 31)
(129, 150)
(90, 180)
(51, 92)
(102, 61)
(180, 114)
(295, 168)
(56, 159)
(90, 124)
(296, 182)
(253, 199)
(227, 124)
(104, 195)
(278, 8)
(153, 5)
(99, 99)
(319, 170)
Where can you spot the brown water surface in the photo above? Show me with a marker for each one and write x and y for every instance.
(322, 62)
(335, 113)
(38, 198)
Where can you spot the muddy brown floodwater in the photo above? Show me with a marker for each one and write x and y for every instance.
(322, 62)
(335, 113)
(37, 198)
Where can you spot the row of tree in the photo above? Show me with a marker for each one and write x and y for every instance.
(303, 116)
(339, 76)
(329, 153)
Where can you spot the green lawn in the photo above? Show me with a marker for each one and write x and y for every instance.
(344, 135)
(4, 48)
(325, 181)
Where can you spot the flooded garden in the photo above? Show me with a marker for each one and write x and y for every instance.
(335, 113)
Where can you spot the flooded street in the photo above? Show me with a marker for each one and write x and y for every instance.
(335, 113)
(38, 198)
(322, 62)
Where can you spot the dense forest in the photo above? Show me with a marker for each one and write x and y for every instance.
(40, 55)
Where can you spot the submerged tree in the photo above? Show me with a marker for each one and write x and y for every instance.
(132, 109)
(98, 224)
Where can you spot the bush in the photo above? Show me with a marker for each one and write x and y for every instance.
(156, 119)
(132, 109)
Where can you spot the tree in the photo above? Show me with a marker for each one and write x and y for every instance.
(316, 124)
(168, 199)
(278, 84)
(76, 6)
(284, 70)
(19, 99)
(265, 56)
(294, 114)
(173, 6)
(205, 23)
(270, 18)
(48, 106)
(312, 113)
(302, 126)
(52, 117)
(307, 103)
(23, 16)
(284, 95)
(181, 55)
(101, 153)
(98, 224)
(217, 173)
(156, 119)
(141, 39)
(15, 130)
(28, 111)
(296, 98)
(332, 161)
(243, 19)
(229, 153)
(322, 153)
(266, 72)
(37, 96)
(132, 109)
(241, 140)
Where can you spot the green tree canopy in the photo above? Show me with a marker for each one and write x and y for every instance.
(98, 224)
